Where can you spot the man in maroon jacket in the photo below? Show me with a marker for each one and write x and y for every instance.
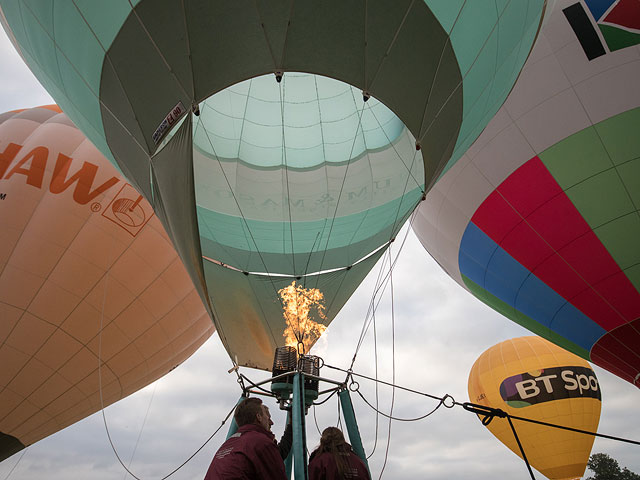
(251, 452)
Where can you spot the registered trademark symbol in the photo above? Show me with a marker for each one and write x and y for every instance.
(95, 207)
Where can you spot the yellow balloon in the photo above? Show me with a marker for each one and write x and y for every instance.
(533, 378)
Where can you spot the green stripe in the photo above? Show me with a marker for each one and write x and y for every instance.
(599, 170)
(618, 38)
(522, 319)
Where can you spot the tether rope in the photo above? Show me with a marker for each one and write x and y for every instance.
(144, 422)
(102, 406)
(524, 455)
(183, 463)
(398, 419)
(393, 366)
(485, 413)
(16, 464)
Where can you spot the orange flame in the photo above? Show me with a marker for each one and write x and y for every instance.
(298, 302)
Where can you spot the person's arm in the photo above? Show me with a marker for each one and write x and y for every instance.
(284, 446)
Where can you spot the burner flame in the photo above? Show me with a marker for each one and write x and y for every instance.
(298, 302)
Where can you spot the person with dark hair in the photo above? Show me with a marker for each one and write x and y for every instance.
(252, 452)
(335, 460)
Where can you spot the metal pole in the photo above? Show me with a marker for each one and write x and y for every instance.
(233, 426)
(288, 460)
(299, 434)
(352, 426)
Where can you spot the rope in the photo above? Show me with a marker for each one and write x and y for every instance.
(16, 464)
(375, 353)
(281, 86)
(390, 417)
(434, 397)
(315, 419)
(344, 179)
(183, 463)
(485, 413)
(244, 389)
(245, 223)
(373, 305)
(488, 414)
(524, 456)
(144, 422)
(393, 366)
(104, 418)
(326, 399)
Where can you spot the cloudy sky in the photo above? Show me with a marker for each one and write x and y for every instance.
(440, 330)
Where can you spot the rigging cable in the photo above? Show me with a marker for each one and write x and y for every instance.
(183, 463)
(481, 410)
(326, 399)
(344, 180)
(375, 353)
(16, 464)
(398, 419)
(104, 417)
(393, 365)
(373, 304)
(524, 455)
(485, 413)
(144, 421)
(489, 413)
(315, 419)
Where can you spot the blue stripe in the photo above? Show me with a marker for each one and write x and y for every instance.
(598, 7)
(491, 267)
(473, 261)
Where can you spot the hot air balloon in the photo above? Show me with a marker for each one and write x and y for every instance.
(282, 141)
(539, 219)
(532, 378)
(80, 250)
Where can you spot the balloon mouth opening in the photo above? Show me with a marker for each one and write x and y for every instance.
(296, 168)
(293, 119)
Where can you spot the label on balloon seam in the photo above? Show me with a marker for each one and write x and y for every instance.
(549, 384)
(172, 117)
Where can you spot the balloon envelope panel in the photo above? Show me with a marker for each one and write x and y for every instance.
(304, 175)
(539, 219)
(80, 249)
(533, 378)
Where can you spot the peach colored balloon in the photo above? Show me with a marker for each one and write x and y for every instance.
(80, 249)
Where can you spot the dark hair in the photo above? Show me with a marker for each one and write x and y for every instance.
(333, 442)
(247, 410)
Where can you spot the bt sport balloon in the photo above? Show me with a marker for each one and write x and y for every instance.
(532, 378)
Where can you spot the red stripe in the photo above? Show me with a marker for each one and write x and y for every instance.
(571, 259)
(495, 217)
(626, 13)
(625, 342)
(608, 361)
